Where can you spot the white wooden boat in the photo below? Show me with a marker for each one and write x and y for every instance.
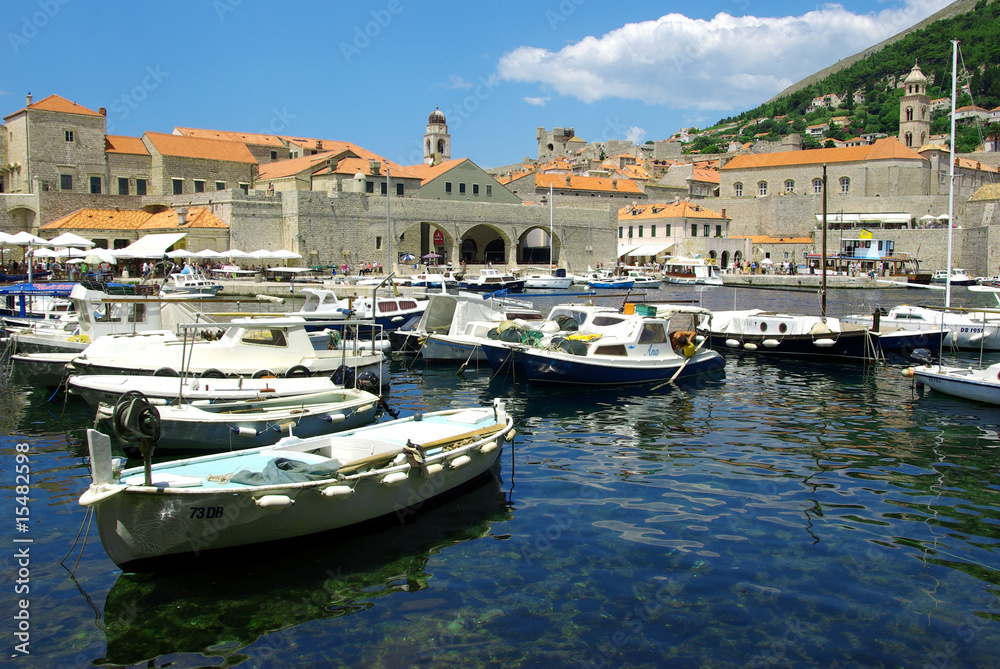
(980, 385)
(541, 279)
(491, 279)
(107, 388)
(472, 319)
(293, 488)
(253, 347)
(967, 331)
(210, 426)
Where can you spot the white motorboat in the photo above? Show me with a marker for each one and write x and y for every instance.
(541, 279)
(209, 426)
(447, 279)
(473, 318)
(384, 313)
(966, 331)
(691, 271)
(491, 279)
(255, 347)
(189, 283)
(959, 277)
(629, 349)
(293, 488)
(980, 385)
(107, 388)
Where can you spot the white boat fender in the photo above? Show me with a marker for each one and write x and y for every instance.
(907, 373)
(824, 343)
(750, 347)
(976, 337)
(396, 319)
(732, 343)
(245, 431)
(510, 434)
(433, 470)
(335, 418)
(488, 447)
(771, 343)
(337, 491)
(460, 461)
(274, 501)
(394, 479)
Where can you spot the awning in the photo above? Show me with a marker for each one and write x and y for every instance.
(644, 250)
(150, 246)
(624, 249)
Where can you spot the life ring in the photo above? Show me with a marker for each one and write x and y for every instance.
(166, 371)
(263, 373)
(297, 371)
(212, 373)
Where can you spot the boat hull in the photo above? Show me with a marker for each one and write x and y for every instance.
(854, 345)
(438, 349)
(970, 386)
(555, 367)
(510, 286)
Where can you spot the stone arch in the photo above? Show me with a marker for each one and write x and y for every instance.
(533, 246)
(724, 263)
(22, 217)
(490, 244)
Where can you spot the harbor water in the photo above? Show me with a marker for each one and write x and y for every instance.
(782, 513)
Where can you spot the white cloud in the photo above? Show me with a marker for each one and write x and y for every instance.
(725, 62)
(635, 135)
(456, 81)
(537, 102)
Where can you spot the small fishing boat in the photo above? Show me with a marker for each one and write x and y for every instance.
(630, 349)
(491, 279)
(157, 513)
(190, 283)
(472, 320)
(107, 388)
(980, 385)
(210, 426)
(612, 283)
(959, 277)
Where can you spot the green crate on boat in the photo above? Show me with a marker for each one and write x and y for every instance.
(645, 310)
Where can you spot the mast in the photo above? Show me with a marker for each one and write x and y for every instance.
(388, 226)
(822, 291)
(951, 170)
(551, 258)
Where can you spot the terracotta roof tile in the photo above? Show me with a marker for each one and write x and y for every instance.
(286, 168)
(58, 103)
(427, 173)
(99, 219)
(882, 149)
(122, 144)
(586, 183)
(197, 147)
(660, 210)
(257, 139)
(197, 217)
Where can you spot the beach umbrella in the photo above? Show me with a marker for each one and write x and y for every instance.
(428, 256)
(766, 261)
(70, 252)
(260, 254)
(44, 253)
(209, 253)
(285, 255)
(96, 256)
(180, 253)
(69, 239)
(407, 257)
(236, 253)
(24, 238)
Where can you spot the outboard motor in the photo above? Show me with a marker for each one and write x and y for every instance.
(344, 376)
(369, 382)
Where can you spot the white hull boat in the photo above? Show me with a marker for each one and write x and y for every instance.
(189, 284)
(980, 385)
(294, 488)
(961, 331)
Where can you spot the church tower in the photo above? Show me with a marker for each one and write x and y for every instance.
(915, 110)
(437, 141)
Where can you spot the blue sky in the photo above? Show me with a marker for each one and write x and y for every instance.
(371, 72)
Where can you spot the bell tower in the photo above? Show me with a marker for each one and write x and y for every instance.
(915, 110)
(437, 141)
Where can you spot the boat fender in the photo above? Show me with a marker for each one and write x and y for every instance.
(274, 501)
(335, 418)
(907, 373)
(166, 371)
(824, 343)
(510, 434)
(245, 431)
(732, 343)
(771, 343)
(337, 491)
(488, 447)
(460, 461)
(212, 373)
(750, 347)
(394, 479)
(433, 470)
(297, 371)
(975, 338)
(262, 374)
(396, 319)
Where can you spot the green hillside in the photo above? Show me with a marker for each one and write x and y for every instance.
(875, 76)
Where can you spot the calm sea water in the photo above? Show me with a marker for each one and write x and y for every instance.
(781, 514)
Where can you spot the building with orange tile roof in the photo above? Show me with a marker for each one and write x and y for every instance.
(117, 228)
(531, 187)
(679, 228)
(265, 148)
(129, 165)
(182, 165)
(460, 179)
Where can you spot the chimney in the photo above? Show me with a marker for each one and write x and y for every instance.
(182, 213)
(319, 144)
(723, 213)
(27, 99)
(102, 111)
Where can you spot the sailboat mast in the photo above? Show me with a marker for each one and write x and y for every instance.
(951, 170)
(551, 204)
(822, 291)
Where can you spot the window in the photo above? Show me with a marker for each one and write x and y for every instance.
(621, 232)
(245, 188)
(447, 186)
(69, 135)
(384, 188)
(140, 186)
(762, 188)
(789, 186)
(378, 243)
(489, 190)
(399, 188)
(274, 155)
(668, 229)
(706, 229)
(122, 186)
(718, 231)
(199, 185)
(640, 231)
(178, 186)
(738, 189)
(475, 189)
(95, 185)
(630, 232)
(845, 184)
(694, 229)
(220, 185)
(461, 189)
(65, 182)
(652, 230)
(818, 186)
(369, 187)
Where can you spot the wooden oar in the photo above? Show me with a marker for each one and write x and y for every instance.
(683, 365)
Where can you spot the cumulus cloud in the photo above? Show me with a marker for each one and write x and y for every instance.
(635, 134)
(721, 63)
(457, 82)
(537, 102)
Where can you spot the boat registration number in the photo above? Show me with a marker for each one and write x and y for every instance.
(970, 330)
(207, 511)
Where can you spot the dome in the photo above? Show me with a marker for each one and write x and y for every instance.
(359, 176)
(437, 116)
(916, 76)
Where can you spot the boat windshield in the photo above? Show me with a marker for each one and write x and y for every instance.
(264, 337)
